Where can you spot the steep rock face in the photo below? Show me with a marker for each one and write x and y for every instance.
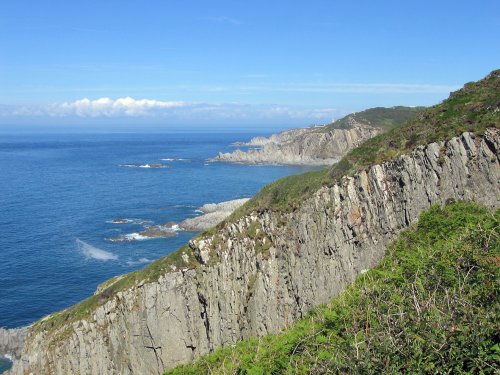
(11, 342)
(281, 137)
(302, 146)
(267, 269)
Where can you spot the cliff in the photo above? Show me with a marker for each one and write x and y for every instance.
(11, 342)
(319, 145)
(429, 306)
(258, 273)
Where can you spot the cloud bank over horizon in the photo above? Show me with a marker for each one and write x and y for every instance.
(105, 108)
(109, 108)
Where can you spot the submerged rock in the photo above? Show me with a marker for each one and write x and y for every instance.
(144, 166)
(121, 221)
(214, 213)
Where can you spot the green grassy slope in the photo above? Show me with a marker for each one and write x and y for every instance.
(430, 306)
(473, 108)
(385, 118)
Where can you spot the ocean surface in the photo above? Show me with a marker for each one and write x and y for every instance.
(4, 365)
(59, 194)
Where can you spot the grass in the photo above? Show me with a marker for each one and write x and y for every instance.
(284, 193)
(473, 108)
(430, 306)
(385, 118)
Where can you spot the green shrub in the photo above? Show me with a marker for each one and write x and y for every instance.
(430, 306)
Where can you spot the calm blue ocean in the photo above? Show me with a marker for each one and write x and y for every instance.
(59, 192)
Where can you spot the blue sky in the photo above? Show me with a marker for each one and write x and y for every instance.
(235, 63)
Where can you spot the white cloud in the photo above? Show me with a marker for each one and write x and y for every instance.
(169, 111)
(106, 107)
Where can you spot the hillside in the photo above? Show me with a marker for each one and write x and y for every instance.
(378, 117)
(431, 305)
(473, 108)
(300, 242)
(320, 145)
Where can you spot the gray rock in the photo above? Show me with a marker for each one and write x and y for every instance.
(12, 341)
(267, 269)
(214, 213)
(306, 146)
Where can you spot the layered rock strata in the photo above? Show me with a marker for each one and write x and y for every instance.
(302, 146)
(213, 214)
(12, 341)
(258, 274)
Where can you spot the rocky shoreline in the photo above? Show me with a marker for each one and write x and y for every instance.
(320, 144)
(212, 214)
(261, 272)
(11, 342)
(307, 146)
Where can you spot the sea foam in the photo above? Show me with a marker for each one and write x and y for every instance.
(93, 252)
(143, 166)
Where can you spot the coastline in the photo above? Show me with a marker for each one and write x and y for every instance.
(69, 228)
(211, 215)
(12, 340)
(11, 345)
(314, 146)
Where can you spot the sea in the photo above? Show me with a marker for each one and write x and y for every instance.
(60, 193)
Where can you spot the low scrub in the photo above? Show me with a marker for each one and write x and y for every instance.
(473, 108)
(430, 306)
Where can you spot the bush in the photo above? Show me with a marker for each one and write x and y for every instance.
(431, 306)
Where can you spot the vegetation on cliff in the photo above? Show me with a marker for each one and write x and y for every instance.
(473, 108)
(430, 306)
(380, 117)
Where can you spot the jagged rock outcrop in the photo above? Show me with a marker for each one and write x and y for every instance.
(12, 341)
(263, 271)
(213, 214)
(309, 146)
(281, 137)
(319, 145)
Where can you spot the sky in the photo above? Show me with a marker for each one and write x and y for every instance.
(234, 63)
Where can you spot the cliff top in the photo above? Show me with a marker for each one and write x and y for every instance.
(473, 108)
(380, 117)
(428, 306)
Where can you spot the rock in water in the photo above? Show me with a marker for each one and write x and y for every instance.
(214, 213)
